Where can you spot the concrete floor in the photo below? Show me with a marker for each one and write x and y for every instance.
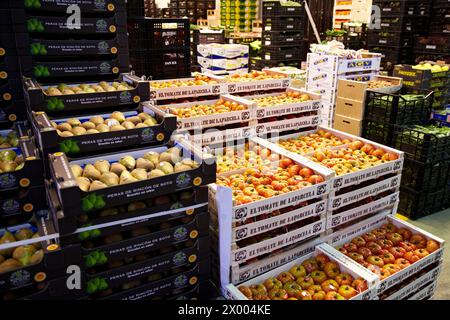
(439, 225)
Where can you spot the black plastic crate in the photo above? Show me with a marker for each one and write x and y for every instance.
(389, 38)
(151, 33)
(277, 9)
(208, 37)
(432, 44)
(280, 38)
(398, 109)
(161, 64)
(381, 133)
(393, 55)
(422, 145)
(415, 205)
(284, 24)
(404, 24)
(136, 8)
(274, 53)
(403, 7)
(420, 176)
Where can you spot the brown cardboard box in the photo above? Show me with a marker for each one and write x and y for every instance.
(350, 108)
(350, 89)
(348, 125)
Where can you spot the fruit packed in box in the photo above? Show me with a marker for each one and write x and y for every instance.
(264, 182)
(318, 276)
(98, 183)
(221, 106)
(198, 80)
(254, 76)
(391, 249)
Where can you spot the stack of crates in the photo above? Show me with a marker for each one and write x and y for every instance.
(283, 31)
(160, 47)
(238, 15)
(394, 31)
(203, 37)
(436, 45)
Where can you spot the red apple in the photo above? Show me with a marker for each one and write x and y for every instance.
(344, 279)
(419, 241)
(405, 233)
(369, 237)
(310, 265)
(358, 257)
(360, 285)
(359, 241)
(407, 246)
(330, 285)
(385, 244)
(376, 261)
(305, 282)
(388, 258)
(333, 295)
(398, 252)
(380, 233)
(432, 246)
(293, 289)
(347, 292)
(331, 269)
(285, 277)
(298, 271)
(389, 227)
(422, 253)
(322, 260)
(365, 252)
(411, 256)
(394, 237)
(402, 263)
(373, 246)
(350, 247)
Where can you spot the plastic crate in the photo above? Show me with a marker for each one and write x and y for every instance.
(283, 24)
(424, 147)
(404, 24)
(393, 55)
(415, 205)
(274, 38)
(208, 37)
(136, 8)
(390, 38)
(381, 133)
(276, 9)
(420, 176)
(274, 53)
(403, 7)
(397, 109)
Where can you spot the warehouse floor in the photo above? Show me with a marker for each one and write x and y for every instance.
(439, 225)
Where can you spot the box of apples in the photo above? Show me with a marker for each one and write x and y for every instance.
(199, 85)
(367, 175)
(277, 203)
(388, 247)
(316, 276)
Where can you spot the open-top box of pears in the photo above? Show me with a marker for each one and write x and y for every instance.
(29, 254)
(58, 98)
(37, 48)
(63, 68)
(94, 6)
(90, 184)
(73, 229)
(21, 167)
(57, 24)
(94, 134)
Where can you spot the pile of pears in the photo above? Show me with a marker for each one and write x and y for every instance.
(103, 174)
(10, 161)
(15, 258)
(102, 86)
(117, 121)
(9, 141)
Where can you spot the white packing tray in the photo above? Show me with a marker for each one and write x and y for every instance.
(341, 237)
(425, 293)
(430, 276)
(287, 108)
(186, 91)
(259, 85)
(287, 124)
(233, 293)
(212, 120)
(218, 51)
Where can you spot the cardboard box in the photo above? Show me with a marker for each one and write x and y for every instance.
(356, 90)
(350, 108)
(349, 125)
